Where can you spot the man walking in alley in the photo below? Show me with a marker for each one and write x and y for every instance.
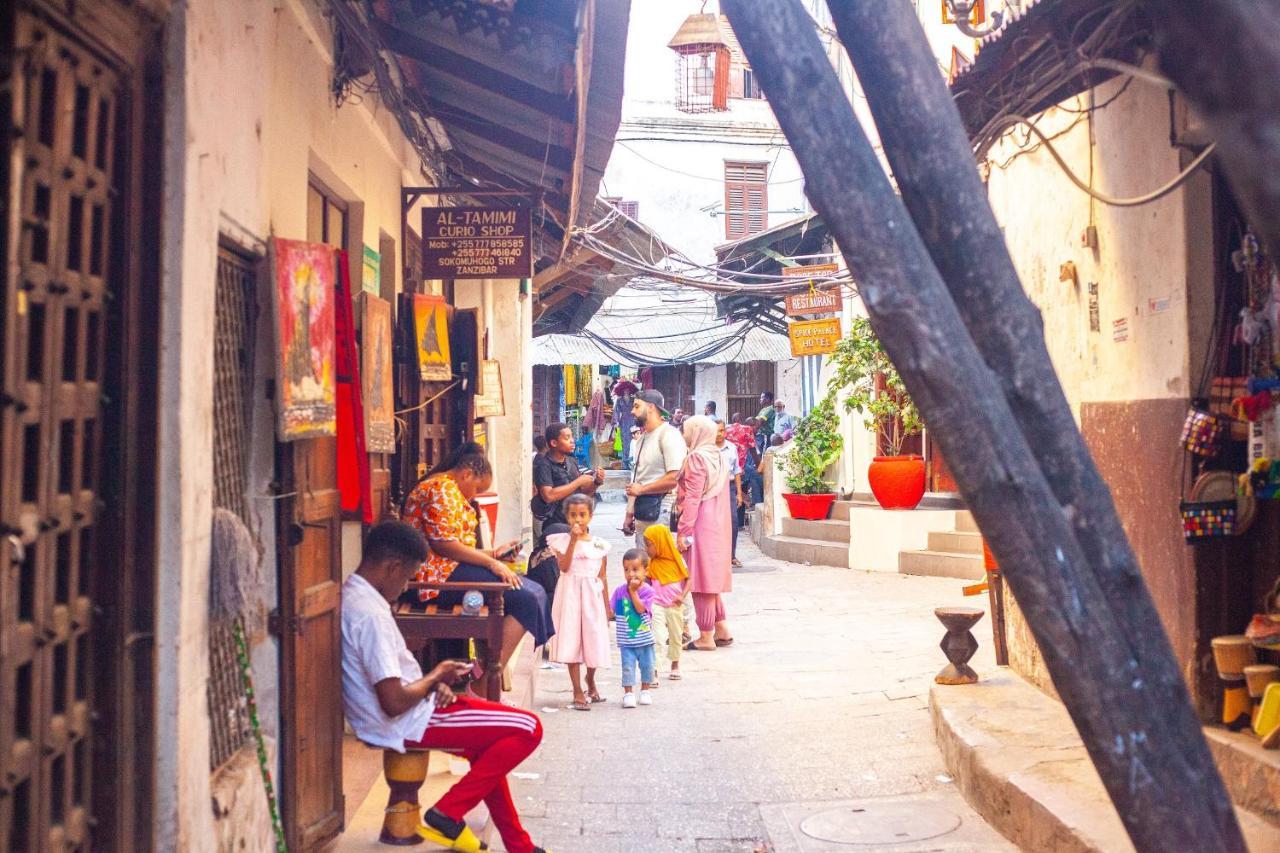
(658, 461)
(783, 421)
(556, 477)
(390, 704)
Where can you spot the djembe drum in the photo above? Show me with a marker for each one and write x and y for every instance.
(1256, 678)
(1231, 654)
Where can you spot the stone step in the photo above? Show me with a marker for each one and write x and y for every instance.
(796, 549)
(941, 564)
(955, 542)
(827, 531)
(965, 522)
(840, 510)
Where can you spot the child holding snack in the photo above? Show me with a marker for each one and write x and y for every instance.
(632, 612)
(669, 577)
(580, 609)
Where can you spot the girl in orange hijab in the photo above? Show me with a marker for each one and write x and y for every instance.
(669, 577)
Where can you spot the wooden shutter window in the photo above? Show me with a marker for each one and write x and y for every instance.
(746, 199)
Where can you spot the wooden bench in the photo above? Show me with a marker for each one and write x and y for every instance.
(421, 627)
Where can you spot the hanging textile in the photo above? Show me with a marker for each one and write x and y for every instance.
(584, 384)
(570, 385)
(595, 419)
(615, 370)
(353, 458)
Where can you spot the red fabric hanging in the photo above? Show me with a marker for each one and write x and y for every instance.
(353, 458)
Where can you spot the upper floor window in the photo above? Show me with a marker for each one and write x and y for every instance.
(746, 198)
(326, 217)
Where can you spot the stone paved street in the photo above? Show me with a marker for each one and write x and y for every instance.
(822, 699)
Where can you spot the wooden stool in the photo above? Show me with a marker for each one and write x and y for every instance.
(1256, 678)
(959, 644)
(1231, 654)
(405, 773)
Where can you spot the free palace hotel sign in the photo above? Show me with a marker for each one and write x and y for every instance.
(477, 242)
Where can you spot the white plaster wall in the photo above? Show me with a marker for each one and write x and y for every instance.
(248, 113)
(1141, 267)
(788, 379)
(710, 384)
(510, 438)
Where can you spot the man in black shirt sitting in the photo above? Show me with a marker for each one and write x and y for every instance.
(556, 476)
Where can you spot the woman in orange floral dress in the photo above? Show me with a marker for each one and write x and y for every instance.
(441, 508)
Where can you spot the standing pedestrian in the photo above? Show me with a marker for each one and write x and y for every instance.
(703, 531)
(556, 476)
(660, 455)
(632, 605)
(783, 421)
(581, 603)
(730, 454)
(765, 416)
(669, 577)
(710, 409)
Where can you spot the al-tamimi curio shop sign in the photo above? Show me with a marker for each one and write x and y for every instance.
(477, 242)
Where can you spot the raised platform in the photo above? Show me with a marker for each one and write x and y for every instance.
(1018, 760)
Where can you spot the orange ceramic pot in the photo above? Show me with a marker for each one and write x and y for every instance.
(897, 481)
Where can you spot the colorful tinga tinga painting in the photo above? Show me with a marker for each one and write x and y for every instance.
(303, 278)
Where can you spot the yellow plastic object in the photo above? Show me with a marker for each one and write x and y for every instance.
(1268, 718)
(466, 840)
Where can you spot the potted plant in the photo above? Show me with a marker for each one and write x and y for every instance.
(815, 446)
(869, 383)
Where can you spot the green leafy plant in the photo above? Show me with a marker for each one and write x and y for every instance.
(816, 446)
(866, 381)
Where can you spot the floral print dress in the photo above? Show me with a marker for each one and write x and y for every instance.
(438, 509)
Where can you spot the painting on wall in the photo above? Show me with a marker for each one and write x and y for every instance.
(303, 295)
(379, 399)
(431, 330)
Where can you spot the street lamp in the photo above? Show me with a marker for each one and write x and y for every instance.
(962, 13)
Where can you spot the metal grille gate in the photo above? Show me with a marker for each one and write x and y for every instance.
(63, 107)
(232, 389)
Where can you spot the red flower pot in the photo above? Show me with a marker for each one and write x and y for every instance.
(809, 507)
(897, 481)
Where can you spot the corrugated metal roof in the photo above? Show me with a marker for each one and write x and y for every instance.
(636, 330)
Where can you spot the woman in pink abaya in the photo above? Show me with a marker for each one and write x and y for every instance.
(704, 532)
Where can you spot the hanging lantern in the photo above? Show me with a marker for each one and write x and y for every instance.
(702, 65)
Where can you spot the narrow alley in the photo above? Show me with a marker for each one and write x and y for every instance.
(821, 701)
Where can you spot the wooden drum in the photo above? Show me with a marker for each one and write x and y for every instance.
(1258, 675)
(1232, 654)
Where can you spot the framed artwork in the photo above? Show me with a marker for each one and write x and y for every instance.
(303, 277)
(431, 331)
(371, 272)
(379, 398)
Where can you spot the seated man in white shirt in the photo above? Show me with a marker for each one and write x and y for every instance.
(390, 704)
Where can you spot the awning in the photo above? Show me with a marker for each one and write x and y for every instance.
(518, 94)
(1042, 58)
(763, 253)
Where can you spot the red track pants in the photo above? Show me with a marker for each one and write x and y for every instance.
(495, 738)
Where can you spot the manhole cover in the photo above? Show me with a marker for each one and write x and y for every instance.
(754, 570)
(880, 823)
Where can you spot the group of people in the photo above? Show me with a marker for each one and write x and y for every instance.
(684, 503)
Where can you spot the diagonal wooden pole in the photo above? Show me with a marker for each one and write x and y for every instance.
(1225, 56)
(1152, 758)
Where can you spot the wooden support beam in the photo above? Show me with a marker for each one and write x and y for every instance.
(1225, 57)
(1142, 738)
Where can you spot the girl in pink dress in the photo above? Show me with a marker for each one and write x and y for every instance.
(705, 534)
(581, 606)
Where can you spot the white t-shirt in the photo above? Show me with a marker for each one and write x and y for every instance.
(373, 649)
(660, 451)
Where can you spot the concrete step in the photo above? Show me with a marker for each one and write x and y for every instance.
(827, 531)
(1015, 755)
(955, 542)
(941, 564)
(965, 522)
(840, 510)
(796, 549)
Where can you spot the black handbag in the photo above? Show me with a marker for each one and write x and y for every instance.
(648, 507)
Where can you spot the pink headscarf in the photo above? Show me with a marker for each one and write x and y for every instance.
(700, 435)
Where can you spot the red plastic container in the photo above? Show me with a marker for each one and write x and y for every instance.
(809, 507)
(897, 481)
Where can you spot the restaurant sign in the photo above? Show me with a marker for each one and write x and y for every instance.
(814, 337)
(813, 302)
(477, 242)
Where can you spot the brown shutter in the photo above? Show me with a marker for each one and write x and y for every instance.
(746, 199)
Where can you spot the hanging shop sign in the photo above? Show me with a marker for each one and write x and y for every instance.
(489, 402)
(814, 337)
(477, 242)
(825, 301)
(303, 277)
(379, 420)
(431, 332)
